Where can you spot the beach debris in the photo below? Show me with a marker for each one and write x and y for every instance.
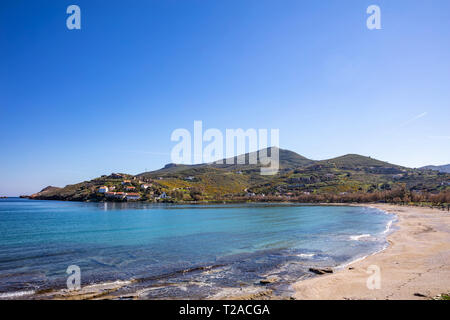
(269, 280)
(320, 270)
(442, 296)
(420, 295)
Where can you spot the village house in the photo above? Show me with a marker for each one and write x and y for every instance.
(145, 186)
(116, 176)
(103, 189)
(119, 195)
(130, 188)
(164, 196)
(133, 196)
(126, 182)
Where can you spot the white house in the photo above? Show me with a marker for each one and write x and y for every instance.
(145, 186)
(103, 189)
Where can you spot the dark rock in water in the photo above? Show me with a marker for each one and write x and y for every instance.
(269, 280)
(320, 271)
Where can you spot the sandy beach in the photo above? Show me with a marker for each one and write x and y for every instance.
(416, 265)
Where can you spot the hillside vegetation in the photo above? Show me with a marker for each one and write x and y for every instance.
(349, 178)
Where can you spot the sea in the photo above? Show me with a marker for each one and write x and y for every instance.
(170, 251)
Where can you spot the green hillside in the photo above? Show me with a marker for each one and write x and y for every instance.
(298, 178)
(353, 161)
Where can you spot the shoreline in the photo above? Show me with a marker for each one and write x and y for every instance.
(415, 264)
(441, 207)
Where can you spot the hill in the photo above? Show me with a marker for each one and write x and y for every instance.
(298, 177)
(353, 161)
(47, 191)
(287, 160)
(444, 168)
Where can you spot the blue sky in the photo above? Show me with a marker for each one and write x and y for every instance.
(76, 104)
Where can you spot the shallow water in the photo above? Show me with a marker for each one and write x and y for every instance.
(178, 250)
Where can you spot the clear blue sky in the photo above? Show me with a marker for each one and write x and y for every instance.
(78, 104)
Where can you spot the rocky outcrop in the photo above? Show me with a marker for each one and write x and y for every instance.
(320, 270)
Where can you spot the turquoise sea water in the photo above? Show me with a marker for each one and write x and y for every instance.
(173, 244)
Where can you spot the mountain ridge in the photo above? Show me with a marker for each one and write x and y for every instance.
(298, 176)
(443, 168)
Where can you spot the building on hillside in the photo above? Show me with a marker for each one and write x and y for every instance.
(130, 188)
(116, 176)
(103, 189)
(164, 196)
(133, 196)
(120, 195)
(126, 182)
(145, 186)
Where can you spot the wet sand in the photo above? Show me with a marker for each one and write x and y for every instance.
(416, 265)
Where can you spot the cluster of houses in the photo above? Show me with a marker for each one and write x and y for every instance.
(132, 195)
(109, 193)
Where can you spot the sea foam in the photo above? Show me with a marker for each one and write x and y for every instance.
(16, 294)
(359, 237)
